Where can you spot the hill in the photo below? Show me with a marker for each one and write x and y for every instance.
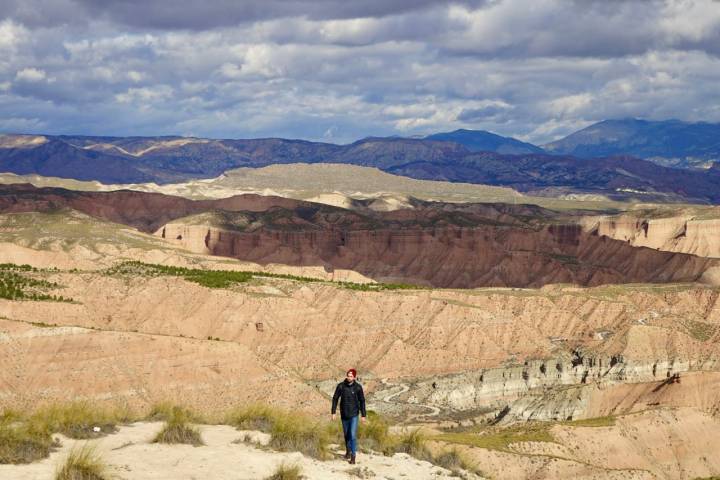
(671, 142)
(482, 141)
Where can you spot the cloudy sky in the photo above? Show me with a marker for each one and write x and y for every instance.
(338, 70)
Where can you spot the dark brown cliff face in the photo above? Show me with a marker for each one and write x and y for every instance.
(464, 257)
(442, 245)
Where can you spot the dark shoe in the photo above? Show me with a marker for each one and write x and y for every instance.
(347, 454)
(352, 459)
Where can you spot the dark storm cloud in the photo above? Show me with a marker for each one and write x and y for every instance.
(193, 14)
(338, 69)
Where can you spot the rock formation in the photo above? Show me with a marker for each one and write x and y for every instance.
(436, 244)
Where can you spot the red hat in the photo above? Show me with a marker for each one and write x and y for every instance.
(353, 371)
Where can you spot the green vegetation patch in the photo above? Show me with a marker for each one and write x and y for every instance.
(700, 330)
(17, 283)
(608, 421)
(228, 278)
(500, 438)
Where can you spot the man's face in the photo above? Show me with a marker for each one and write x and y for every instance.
(350, 377)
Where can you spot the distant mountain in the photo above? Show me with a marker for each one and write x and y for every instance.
(174, 159)
(482, 141)
(670, 143)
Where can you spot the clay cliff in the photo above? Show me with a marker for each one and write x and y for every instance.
(435, 244)
(683, 232)
(453, 257)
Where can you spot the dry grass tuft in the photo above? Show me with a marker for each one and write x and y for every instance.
(80, 420)
(289, 431)
(164, 411)
(178, 428)
(254, 417)
(286, 472)
(22, 442)
(455, 461)
(413, 443)
(82, 464)
(298, 433)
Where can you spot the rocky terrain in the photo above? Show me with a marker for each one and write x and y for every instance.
(483, 348)
(678, 230)
(521, 245)
(566, 327)
(642, 356)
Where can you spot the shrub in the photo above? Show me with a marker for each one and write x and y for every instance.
(178, 429)
(22, 442)
(286, 472)
(297, 433)
(174, 433)
(374, 434)
(289, 431)
(455, 461)
(254, 417)
(82, 464)
(79, 420)
(413, 443)
(165, 411)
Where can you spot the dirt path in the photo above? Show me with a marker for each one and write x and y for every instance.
(404, 388)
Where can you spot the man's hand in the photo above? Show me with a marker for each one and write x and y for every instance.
(332, 416)
(362, 419)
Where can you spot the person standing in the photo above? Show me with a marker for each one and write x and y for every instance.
(352, 405)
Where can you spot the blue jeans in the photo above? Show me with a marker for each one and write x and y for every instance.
(350, 427)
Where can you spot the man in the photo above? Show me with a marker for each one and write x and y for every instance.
(352, 404)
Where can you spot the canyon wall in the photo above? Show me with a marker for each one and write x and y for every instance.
(484, 255)
(684, 234)
(562, 388)
(312, 332)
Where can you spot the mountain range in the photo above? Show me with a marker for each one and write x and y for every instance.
(482, 141)
(670, 143)
(585, 162)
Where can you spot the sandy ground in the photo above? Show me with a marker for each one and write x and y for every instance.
(130, 455)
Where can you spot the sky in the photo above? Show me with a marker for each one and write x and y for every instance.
(340, 70)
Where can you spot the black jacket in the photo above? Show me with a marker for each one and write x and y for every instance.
(352, 400)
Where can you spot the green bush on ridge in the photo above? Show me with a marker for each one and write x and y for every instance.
(15, 285)
(227, 278)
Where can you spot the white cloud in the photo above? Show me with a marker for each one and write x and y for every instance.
(11, 35)
(530, 68)
(30, 74)
(145, 95)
